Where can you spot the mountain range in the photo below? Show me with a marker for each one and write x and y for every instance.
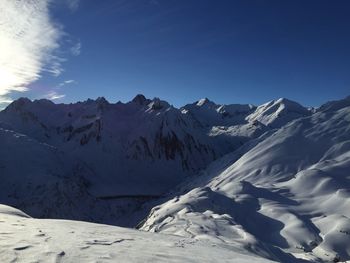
(270, 182)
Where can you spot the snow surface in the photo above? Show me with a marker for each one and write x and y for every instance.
(279, 112)
(113, 156)
(225, 181)
(25, 239)
(285, 196)
(41, 180)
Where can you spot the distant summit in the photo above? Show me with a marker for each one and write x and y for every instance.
(140, 99)
(205, 102)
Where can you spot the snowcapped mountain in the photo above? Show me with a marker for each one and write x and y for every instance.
(144, 141)
(126, 153)
(209, 114)
(269, 180)
(118, 142)
(279, 112)
(284, 196)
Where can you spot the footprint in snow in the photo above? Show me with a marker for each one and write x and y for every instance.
(106, 242)
(84, 247)
(22, 247)
(59, 256)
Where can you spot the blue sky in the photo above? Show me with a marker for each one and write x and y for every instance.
(247, 51)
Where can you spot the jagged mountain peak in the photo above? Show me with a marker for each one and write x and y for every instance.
(140, 99)
(158, 104)
(205, 102)
(44, 101)
(102, 100)
(99, 100)
(18, 103)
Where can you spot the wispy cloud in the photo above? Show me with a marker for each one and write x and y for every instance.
(73, 4)
(29, 40)
(66, 82)
(54, 95)
(76, 49)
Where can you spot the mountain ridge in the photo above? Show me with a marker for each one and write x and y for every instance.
(243, 176)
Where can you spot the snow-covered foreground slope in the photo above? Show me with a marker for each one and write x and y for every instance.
(24, 239)
(284, 196)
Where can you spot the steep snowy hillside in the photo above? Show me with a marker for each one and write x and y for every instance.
(46, 182)
(24, 239)
(284, 196)
(33, 172)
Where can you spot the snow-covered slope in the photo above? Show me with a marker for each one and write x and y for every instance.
(271, 180)
(29, 168)
(277, 113)
(284, 196)
(209, 114)
(46, 182)
(115, 156)
(24, 239)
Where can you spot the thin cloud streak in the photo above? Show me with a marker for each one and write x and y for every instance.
(54, 95)
(66, 82)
